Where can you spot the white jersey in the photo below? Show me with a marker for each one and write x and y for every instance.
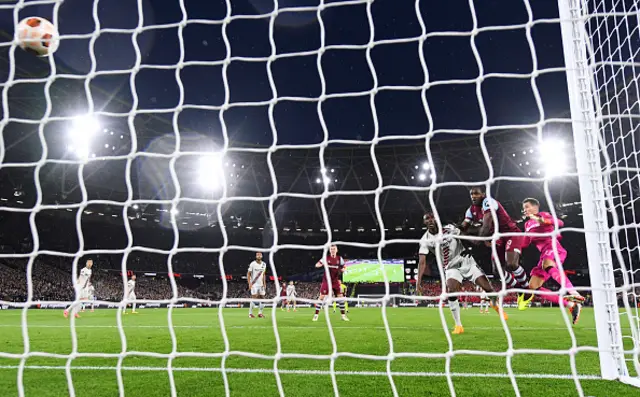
(449, 249)
(131, 287)
(83, 279)
(256, 272)
(291, 290)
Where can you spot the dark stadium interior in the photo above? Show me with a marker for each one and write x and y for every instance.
(145, 156)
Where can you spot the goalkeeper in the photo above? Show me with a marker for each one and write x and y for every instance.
(458, 264)
(343, 291)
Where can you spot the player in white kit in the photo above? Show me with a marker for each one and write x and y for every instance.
(130, 294)
(91, 292)
(484, 301)
(458, 265)
(291, 297)
(82, 292)
(257, 284)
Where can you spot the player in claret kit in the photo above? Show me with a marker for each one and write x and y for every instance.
(283, 296)
(257, 284)
(334, 265)
(458, 265)
(343, 291)
(509, 248)
(544, 222)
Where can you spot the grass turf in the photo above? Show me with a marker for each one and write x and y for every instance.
(197, 330)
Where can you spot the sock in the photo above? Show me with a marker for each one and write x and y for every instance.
(260, 308)
(92, 305)
(556, 298)
(334, 305)
(133, 307)
(509, 280)
(454, 306)
(251, 305)
(521, 277)
(346, 306)
(341, 304)
(560, 278)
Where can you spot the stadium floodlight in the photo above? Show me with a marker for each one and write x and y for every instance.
(81, 133)
(553, 157)
(422, 177)
(211, 171)
(318, 180)
(426, 165)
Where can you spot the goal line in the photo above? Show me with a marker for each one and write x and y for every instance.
(312, 372)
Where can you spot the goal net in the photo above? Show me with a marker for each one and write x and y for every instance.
(173, 140)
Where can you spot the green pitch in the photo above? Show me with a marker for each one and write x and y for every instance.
(370, 272)
(197, 330)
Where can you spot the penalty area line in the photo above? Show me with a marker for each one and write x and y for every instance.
(309, 372)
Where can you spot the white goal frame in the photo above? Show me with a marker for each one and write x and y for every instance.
(594, 191)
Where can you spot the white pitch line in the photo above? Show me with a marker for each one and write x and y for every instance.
(310, 372)
(280, 326)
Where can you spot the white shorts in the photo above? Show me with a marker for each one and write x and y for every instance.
(468, 270)
(258, 290)
(83, 293)
(131, 297)
(291, 297)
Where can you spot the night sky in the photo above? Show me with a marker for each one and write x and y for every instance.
(399, 109)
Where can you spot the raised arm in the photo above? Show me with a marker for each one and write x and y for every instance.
(423, 270)
(467, 222)
(487, 225)
(545, 218)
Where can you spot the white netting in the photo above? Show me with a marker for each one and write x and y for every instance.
(614, 52)
(611, 62)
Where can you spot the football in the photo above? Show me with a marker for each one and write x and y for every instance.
(38, 36)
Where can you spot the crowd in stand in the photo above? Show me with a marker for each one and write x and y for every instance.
(51, 283)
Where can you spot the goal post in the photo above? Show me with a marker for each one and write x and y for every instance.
(598, 205)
